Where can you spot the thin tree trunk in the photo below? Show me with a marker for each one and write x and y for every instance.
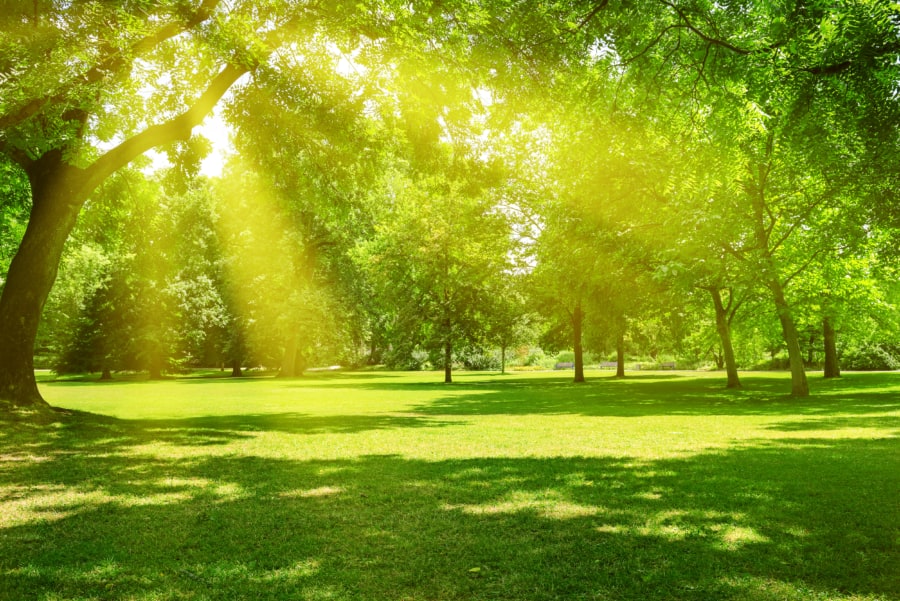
(799, 384)
(620, 347)
(502, 359)
(577, 318)
(811, 349)
(723, 328)
(448, 363)
(832, 366)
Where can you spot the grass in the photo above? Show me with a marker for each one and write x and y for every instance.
(375, 486)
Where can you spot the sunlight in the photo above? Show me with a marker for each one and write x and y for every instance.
(547, 504)
(218, 132)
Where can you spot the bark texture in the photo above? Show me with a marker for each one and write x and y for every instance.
(55, 205)
(723, 328)
(799, 384)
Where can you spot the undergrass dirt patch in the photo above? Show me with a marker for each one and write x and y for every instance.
(392, 486)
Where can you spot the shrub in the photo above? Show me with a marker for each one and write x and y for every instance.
(871, 356)
(478, 359)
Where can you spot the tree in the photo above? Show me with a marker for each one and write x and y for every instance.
(53, 117)
(433, 257)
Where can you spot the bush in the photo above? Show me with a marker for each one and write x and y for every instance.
(407, 359)
(535, 358)
(477, 359)
(871, 356)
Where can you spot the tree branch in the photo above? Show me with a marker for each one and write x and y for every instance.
(111, 64)
(587, 18)
(707, 38)
(177, 128)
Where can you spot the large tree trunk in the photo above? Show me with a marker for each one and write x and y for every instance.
(236, 368)
(155, 365)
(448, 363)
(56, 200)
(577, 319)
(799, 385)
(832, 366)
(58, 191)
(724, 330)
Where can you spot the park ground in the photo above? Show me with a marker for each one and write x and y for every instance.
(394, 486)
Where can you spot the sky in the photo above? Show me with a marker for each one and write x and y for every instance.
(217, 132)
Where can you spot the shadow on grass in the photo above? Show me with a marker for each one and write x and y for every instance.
(646, 395)
(89, 514)
(322, 377)
(88, 430)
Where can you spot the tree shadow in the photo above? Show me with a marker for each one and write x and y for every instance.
(75, 430)
(642, 396)
(777, 519)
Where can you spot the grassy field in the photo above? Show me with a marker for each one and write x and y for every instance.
(371, 486)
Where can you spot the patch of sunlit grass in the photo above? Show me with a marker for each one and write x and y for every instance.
(395, 486)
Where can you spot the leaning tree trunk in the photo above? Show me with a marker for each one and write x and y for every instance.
(724, 331)
(577, 319)
(55, 205)
(58, 191)
(832, 366)
(799, 384)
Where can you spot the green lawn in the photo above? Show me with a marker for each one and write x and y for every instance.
(395, 486)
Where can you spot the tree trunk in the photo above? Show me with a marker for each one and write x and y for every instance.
(155, 365)
(58, 191)
(719, 358)
(300, 364)
(448, 363)
(236, 369)
(799, 384)
(289, 359)
(769, 273)
(502, 359)
(832, 366)
(56, 200)
(620, 347)
(724, 330)
(577, 318)
(811, 350)
(106, 374)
